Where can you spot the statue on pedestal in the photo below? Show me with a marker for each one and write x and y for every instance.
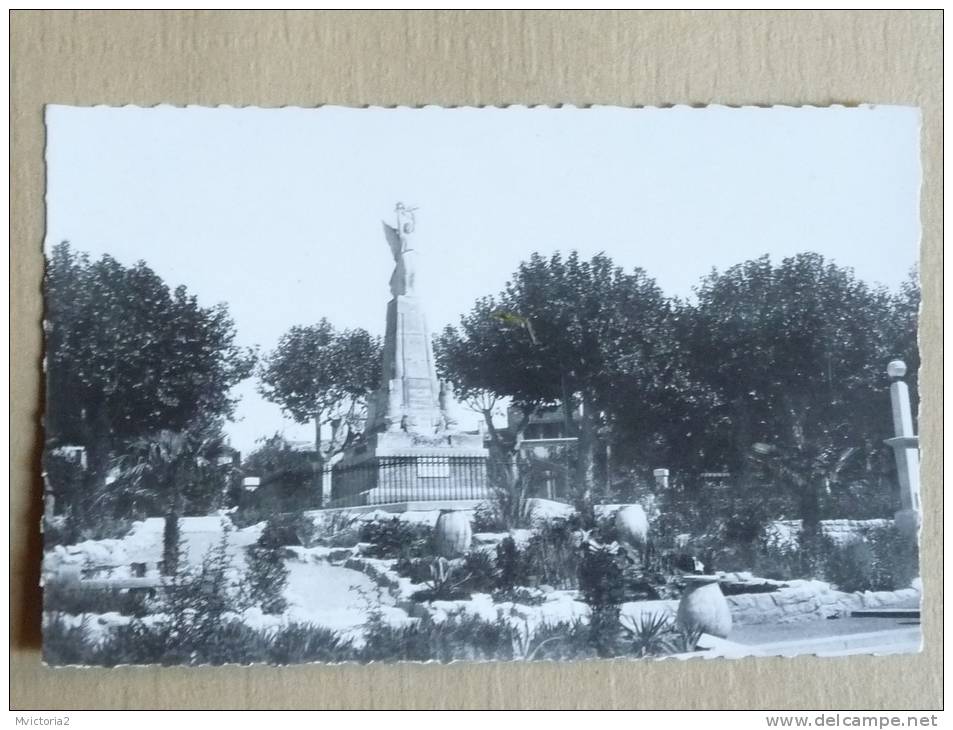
(411, 447)
(402, 280)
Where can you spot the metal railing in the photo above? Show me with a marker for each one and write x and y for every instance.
(386, 480)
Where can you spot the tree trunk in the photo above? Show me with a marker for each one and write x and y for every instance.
(810, 503)
(170, 532)
(318, 461)
(585, 461)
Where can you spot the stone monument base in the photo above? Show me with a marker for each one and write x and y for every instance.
(397, 466)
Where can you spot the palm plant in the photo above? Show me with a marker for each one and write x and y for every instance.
(164, 467)
(807, 468)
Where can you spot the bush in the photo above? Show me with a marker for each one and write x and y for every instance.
(850, 567)
(282, 529)
(658, 635)
(552, 555)
(883, 559)
(509, 504)
(266, 575)
(525, 596)
(396, 538)
(230, 642)
(417, 569)
(58, 531)
(339, 529)
(510, 565)
(486, 519)
(566, 640)
(480, 572)
(601, 586)
(104, 528)
(459, 637)
(66, 643)
(446, 582)
(299, 643)
(75, 600)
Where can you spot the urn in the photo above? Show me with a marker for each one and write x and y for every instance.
(452, 534)
(703, 606)
(632, 525)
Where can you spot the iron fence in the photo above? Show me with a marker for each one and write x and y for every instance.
(384, 480)
(387, 480)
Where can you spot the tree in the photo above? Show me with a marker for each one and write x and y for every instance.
(171, 466)
(795, 355)
(565, 331)
(282, 469)
(902, 328)
(323, 375)
(128, 357)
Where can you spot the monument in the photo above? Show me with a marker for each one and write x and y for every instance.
(906, 448)
(411, 449)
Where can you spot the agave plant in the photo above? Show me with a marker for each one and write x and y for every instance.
(650, 635)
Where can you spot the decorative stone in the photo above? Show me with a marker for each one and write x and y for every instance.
(452, 534)
(703, 607)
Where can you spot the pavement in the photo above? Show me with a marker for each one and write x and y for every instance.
(831, 637)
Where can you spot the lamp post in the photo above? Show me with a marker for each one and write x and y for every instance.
(905, 446)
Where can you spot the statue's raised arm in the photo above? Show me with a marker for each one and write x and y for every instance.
(402, 280)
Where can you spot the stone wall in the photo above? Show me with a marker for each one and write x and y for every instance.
(805, 600)
(841, 532)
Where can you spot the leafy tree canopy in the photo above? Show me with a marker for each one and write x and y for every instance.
(127, 356)
(320, 374)
(562, 325)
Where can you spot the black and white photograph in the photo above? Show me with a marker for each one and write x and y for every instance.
(430, 384)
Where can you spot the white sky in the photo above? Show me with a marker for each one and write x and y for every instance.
(277, 211)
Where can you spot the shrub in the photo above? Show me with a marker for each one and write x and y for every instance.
(282, 529)
(486, 519)
(298, 643)
(509, 504)
(231, 642)
(475, 572)
(445, 584)
(601, 586)
(883, 559)
(193, 605)
(561, 641)
(396, 538)
(66, 599)
(459, 637)
(104, 528)
(58, 531)
(649, 635)
(552, 555)
(339, 529)
(850, 567)
(417, 569)
(510, 565)
(480, 572)
(778, 559)
(266, 575)
(65, 642)
(525, 596)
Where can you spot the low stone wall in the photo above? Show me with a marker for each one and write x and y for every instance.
(840, 532)
(806, 600)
